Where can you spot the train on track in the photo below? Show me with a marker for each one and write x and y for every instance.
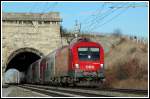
(81, 61)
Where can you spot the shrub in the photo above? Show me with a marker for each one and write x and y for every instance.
(132, 50)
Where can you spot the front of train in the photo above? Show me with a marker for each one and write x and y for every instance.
(87, 60)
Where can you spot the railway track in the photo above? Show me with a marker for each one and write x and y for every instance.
(60, 92)
(135, 91)
(84, 92)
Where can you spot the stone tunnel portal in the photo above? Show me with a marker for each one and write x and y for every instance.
(22, 58)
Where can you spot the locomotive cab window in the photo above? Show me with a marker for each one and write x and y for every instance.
(88, 53)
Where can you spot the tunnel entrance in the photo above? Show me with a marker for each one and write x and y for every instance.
(22, 58)
(18, 64)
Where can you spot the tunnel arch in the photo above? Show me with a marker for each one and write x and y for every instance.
(22, 58)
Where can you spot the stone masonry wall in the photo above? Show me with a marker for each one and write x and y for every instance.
(17, 34)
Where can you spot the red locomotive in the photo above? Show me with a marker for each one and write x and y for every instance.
(82, 60)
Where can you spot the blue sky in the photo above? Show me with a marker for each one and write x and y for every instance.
(93, 16)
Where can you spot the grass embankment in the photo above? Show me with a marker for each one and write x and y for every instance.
(127, 65)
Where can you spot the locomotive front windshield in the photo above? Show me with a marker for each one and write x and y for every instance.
(88, 53)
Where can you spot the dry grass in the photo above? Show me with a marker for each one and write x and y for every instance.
(127, 66)
(131, 84)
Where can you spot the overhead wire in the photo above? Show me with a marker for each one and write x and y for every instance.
(94, 20)
(92, 17)
(89, 18)
(102, 17)
(99, 25)
(125, 9)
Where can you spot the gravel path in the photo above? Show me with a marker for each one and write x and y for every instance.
(6, 91)
(14, 91)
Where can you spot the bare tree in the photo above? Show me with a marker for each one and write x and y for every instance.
(117, 32)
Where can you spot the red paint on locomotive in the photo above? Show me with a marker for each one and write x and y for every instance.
(83, 63)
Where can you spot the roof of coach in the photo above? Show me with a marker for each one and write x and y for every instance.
(56, 50)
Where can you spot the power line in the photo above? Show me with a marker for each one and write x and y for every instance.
(93, 20)
(89, 18)
(130, 6)
(100, 19)
(125, 8)
(99, 11)
(110, 19)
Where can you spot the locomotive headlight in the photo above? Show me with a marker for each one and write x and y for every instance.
(102, 65)
(77, 66)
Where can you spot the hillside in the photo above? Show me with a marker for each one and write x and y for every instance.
(127, 65)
